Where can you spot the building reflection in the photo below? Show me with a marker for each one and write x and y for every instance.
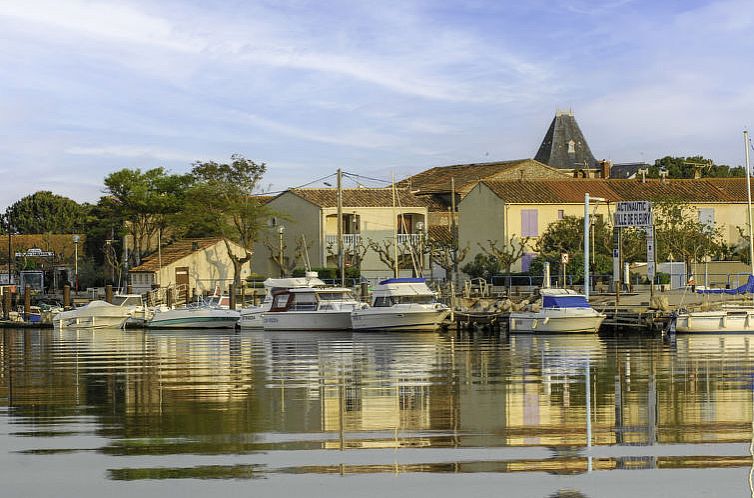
(240, 392)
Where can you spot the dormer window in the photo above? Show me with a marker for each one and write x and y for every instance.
(571, 147)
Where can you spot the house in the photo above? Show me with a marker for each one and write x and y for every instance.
(306, 229)
(201, 264)
(53, 255)
(498, 210)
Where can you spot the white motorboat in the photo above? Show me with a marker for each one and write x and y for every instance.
(725, 317)
(401, 304)
(199, 315)
(310, 308)
(562, 311)
(96, 314)
(251, 316)
(140, 313)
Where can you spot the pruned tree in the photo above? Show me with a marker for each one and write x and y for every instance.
(508, 252)
(681, 236)
(446, 254)
(278, 254)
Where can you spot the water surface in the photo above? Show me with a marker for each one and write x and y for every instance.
(126, 413)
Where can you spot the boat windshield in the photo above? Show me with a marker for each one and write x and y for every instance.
(334, 296)
(127, 300)
(386, 301)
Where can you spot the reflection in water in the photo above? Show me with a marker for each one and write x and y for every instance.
(223, 405)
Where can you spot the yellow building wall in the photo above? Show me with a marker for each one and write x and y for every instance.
(480, 218)
(207, 269)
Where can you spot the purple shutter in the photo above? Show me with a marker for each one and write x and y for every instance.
(526, 260)
(529, 223)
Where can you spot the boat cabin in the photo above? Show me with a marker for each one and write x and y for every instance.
(402, 291)
(308, 299)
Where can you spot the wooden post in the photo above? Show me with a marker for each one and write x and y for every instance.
(109, 293)
(169, 297)
(232, 296)
(193, 294)
(243, 295)
(27, 302)
(129, 289)
(66, 296)
(6, 303)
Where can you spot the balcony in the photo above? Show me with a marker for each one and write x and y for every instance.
(349, 240)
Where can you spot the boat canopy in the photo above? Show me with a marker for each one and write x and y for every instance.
(405, 280)
(748, 287)
(565, 301)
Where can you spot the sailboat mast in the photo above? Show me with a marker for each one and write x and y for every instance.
(748, 205)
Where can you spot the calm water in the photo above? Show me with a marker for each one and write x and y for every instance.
(133, 413)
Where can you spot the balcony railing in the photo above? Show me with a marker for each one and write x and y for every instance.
(353, 239)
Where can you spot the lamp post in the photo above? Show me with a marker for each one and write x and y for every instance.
(420, 228)
(9, 249)
(76, 240)
(587, 199)
(281, 230)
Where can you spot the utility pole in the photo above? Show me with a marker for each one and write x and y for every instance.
(339, 199)
(454, 229)
(748, 206)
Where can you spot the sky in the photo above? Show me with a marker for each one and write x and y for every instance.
(380, 89)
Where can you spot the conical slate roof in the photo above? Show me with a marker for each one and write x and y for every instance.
(564, 146)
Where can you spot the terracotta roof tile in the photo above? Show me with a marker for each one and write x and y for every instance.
(360, 197)
(706, 190)
(438, 179)
(173, 252)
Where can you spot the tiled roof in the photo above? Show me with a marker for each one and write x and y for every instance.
(706, 190)
(438, 179)
(359, 197)
(175, 251)
(439, 233)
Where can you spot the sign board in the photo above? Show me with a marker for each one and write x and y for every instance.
(35, 253)
(616, 265)
(564, 258)
(650, 253)
(633, 214)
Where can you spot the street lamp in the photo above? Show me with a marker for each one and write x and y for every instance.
(420, 228)
(76, 240)
(587, 198)
(281, 230)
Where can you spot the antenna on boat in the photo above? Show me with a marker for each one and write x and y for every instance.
(748, 205)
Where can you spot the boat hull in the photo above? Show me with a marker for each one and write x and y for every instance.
(213, 318)
(551, 323)
(715, 322)
(95, 315)
(251, 319)
(396, 319)
(307, 320)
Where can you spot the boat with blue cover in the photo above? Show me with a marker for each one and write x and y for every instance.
(725, 317)
(562, 310)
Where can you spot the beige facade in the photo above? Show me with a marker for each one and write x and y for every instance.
(200, 264)
(487, 213)
(310, 217)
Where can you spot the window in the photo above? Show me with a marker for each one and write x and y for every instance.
(529, 223)
(707, 217)
(571, 147)
(561, 214)
(304, 302)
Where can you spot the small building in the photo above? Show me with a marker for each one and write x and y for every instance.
(202, 264)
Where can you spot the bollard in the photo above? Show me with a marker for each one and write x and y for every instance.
(129, 289)
(232, 296)
(27, 302)
(109, 293)
(169, 297)
(243, 295)
(6, 304)
(66, 296)
(365, 292)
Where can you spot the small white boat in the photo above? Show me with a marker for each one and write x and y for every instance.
(401, 304)
(725, 317)
(310, 308)
(251, 316)
(140, 313)
(562, 311)
(200, 315)
(96, 314)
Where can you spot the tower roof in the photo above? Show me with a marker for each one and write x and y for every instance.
(564, 146)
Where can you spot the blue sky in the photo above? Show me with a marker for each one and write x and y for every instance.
(375, 88)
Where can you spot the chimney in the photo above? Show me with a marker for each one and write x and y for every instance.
(605, 167)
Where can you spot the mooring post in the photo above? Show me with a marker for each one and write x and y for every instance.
(66, 296)
(169, 297)
(232, 295)
(27, 302)
(6, 303)
(109, 293)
